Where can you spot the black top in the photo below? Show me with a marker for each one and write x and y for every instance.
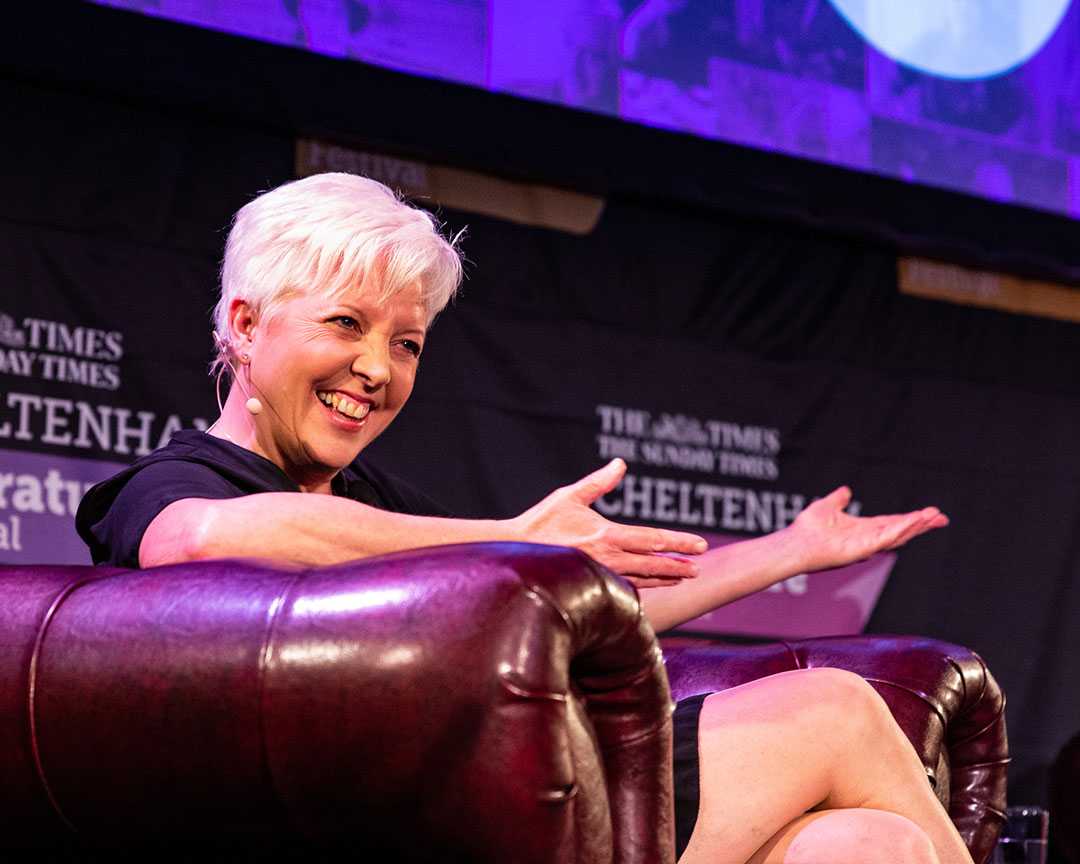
(114, 514)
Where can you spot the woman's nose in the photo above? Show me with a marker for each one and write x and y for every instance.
(372, 364)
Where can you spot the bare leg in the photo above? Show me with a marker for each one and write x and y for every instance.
(780, 747)
(857, 836)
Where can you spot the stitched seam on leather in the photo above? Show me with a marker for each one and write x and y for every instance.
(982, 695)
(549, 601)
(606, 586)
(559, 796)
(934, 705)
(528, 694)
(967, 698)
(594, 571)
(647, 669)
(644, 735)
(982, 729)
(986, 763)
(272, 616)
(963, 679)
(31, 695)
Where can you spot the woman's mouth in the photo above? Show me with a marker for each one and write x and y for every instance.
(343, 406)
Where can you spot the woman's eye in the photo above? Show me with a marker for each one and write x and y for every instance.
(411, 346)
(347, 322)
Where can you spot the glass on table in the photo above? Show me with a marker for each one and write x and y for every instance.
(1023, 839)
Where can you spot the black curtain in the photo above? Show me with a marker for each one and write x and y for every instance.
(117, 199)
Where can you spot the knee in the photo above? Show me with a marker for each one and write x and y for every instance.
(899, 841)
(849, 700)
(861, 837)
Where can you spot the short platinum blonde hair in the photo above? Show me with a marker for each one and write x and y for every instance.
(327, 234)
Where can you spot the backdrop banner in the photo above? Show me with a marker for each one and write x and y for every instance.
(741, 369)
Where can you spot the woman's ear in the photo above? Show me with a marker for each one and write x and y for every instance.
(241, 325)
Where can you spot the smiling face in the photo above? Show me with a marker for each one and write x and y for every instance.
(332, 373)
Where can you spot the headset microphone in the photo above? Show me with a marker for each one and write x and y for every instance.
(253, 405)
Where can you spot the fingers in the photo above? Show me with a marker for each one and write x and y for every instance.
(911, 525)
(928, 519)
(935, 518)
(635, 538)
(644, 582)
(600, 482)
(667, 568)
(895, 531)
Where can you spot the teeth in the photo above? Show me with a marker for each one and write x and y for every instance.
(343, 405)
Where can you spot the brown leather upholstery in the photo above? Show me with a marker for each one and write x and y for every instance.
(942, 696)
(478, 703)
(471, 704)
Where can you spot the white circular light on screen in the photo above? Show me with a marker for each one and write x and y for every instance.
(956, 38)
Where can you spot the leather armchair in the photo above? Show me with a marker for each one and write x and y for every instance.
(492, 702)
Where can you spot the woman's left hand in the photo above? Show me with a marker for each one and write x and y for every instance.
(830, 537)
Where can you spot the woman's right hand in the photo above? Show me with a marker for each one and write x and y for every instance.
(566, 518)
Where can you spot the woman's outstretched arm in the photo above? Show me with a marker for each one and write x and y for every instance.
(318, 529)
(822, 536)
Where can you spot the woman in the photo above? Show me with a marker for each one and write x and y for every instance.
(329, 287)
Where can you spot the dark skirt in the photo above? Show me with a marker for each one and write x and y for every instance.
(685, 765)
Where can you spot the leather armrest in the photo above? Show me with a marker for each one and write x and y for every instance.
(472, 703)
